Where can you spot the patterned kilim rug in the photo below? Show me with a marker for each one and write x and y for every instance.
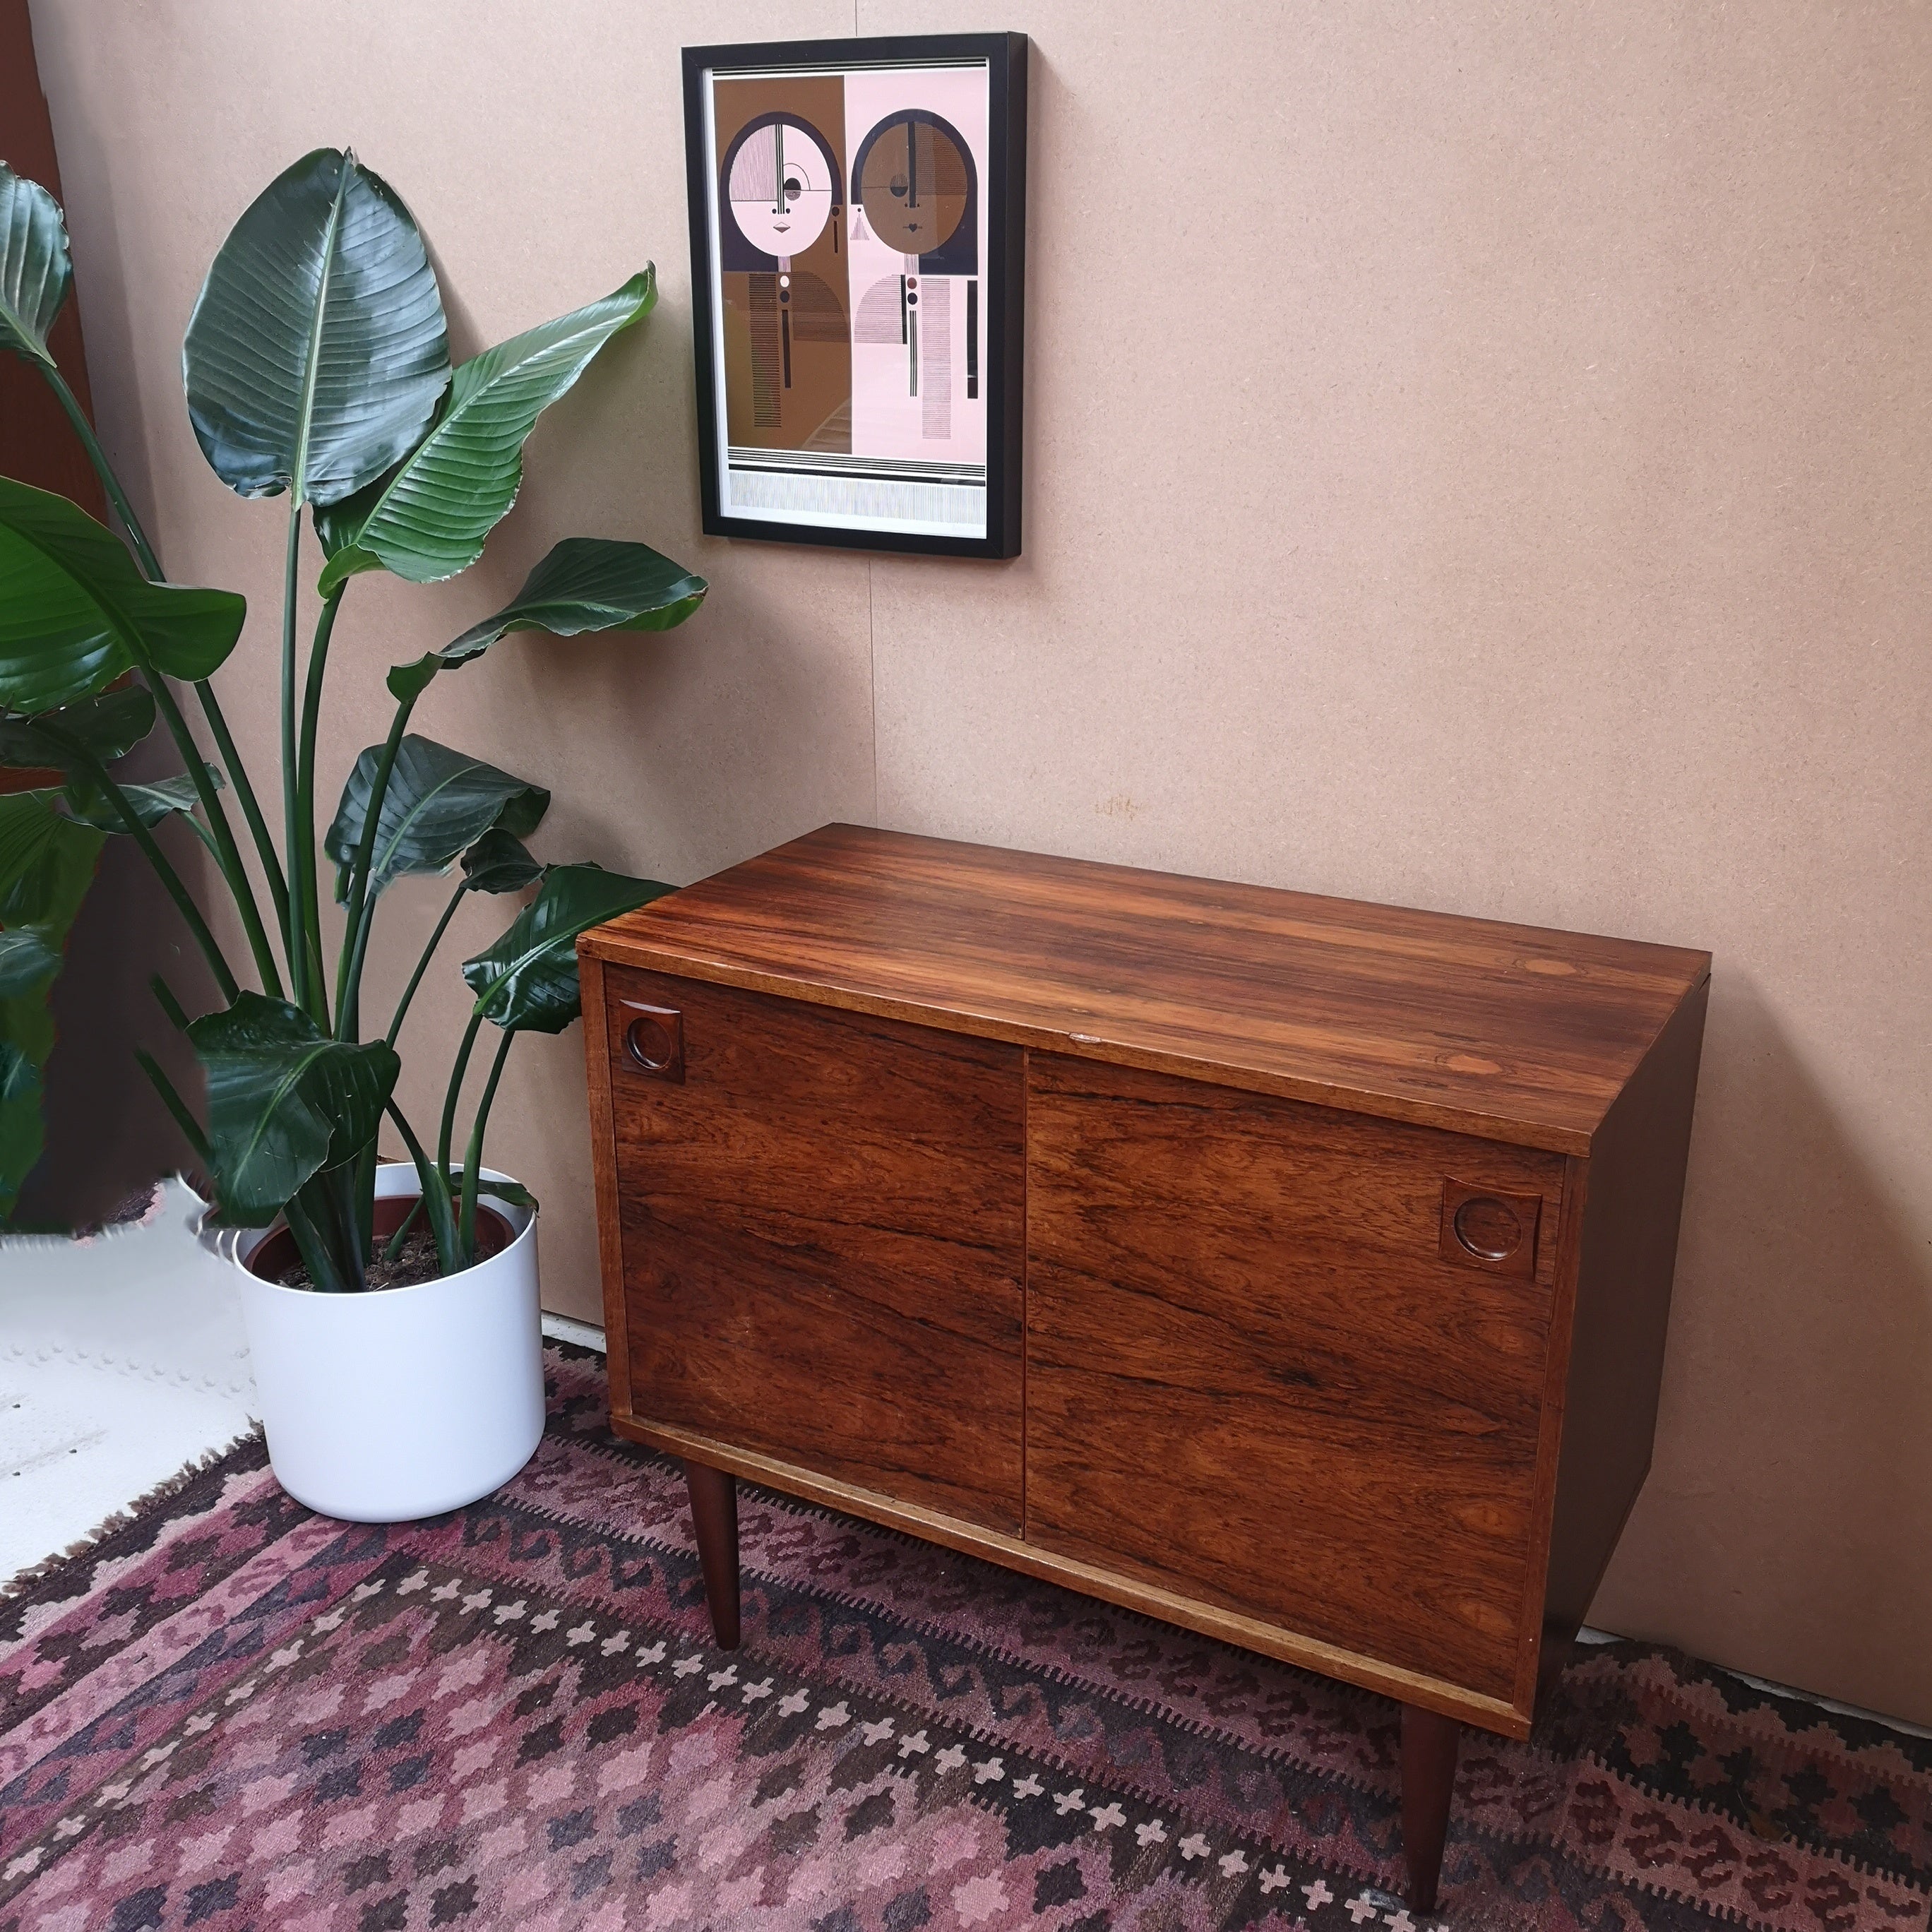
(229, 1712)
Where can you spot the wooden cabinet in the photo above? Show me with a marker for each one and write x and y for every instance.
(1245, 1295)
(1294, 1269)
(823, 1220)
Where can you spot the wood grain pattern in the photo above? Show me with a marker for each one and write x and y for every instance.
(1353, 1666)
(1252, 1378)
(821, 1230)
(1507, 1032)
(1149, 1316)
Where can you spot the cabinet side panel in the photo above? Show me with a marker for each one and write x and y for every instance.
(1253, 1379)
(822, 1223)
(1634, 1202)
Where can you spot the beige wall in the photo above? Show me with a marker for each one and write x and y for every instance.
(1477, 457)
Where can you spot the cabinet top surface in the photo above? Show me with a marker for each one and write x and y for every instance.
(1513, 1032)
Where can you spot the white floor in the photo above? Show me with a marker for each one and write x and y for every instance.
(122, 1359)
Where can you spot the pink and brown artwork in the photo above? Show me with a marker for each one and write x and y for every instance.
(849, 259)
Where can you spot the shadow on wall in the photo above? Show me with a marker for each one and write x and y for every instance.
(109, 1137)
(1803, 1312)
(750, 726)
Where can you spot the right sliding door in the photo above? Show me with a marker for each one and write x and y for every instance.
(1290, 1362)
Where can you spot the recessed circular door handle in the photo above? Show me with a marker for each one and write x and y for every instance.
(1489, 1228)
(1486, 1228)
(655, 1040)
(650, 1046)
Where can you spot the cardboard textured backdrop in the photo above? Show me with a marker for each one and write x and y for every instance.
(1476, 458)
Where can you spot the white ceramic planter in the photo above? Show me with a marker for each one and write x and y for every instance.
(403, 1402)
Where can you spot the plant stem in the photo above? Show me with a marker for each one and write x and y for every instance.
(324, 1199)
(324, 1275)
(201, 832)
(363, 1206)
(164, 998)
(251, 809)
(344, 1189)
(462, 1067)
(317, 977)
(170, 879)
(422, 965)
(302, 854)
(473, 1159)
(435, 1194)
(361, 903)
(219, 836)
(143, 550)
(298, 933)
(226, 853)
(400, 1237)
(189, 1126)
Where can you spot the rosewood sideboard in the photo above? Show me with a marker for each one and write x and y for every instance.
(1289, 1268)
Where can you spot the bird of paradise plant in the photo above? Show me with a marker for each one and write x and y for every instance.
(316, 368)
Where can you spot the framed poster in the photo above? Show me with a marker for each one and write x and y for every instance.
(858, 254)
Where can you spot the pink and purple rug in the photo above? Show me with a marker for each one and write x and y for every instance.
(229, 1712)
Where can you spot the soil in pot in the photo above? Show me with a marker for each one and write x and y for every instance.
(279, 1260)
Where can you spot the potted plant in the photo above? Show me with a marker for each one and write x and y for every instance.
(391, 1308)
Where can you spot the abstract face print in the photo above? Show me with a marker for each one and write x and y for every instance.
(914, 183)
(849, 310)
(782, 185)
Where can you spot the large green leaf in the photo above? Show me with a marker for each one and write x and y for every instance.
(429, 519)
(336, 523)
(28, 960)
(317, 352)
(408, 681)
(438, 804)
(589, 583)
(585, 583)
(21, 1135)
(46, 861)
(151, 802)
(16, 1073)
(499, 862)
(284, 1102)
(47, 864)
(75, 613)
(527, 982)
(109, 726)
(512, 1191)
(35, 274)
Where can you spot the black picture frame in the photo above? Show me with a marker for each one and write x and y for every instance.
(1002, 276)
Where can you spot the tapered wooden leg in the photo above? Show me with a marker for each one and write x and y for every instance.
(714, 1518)
(1428, 1779)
